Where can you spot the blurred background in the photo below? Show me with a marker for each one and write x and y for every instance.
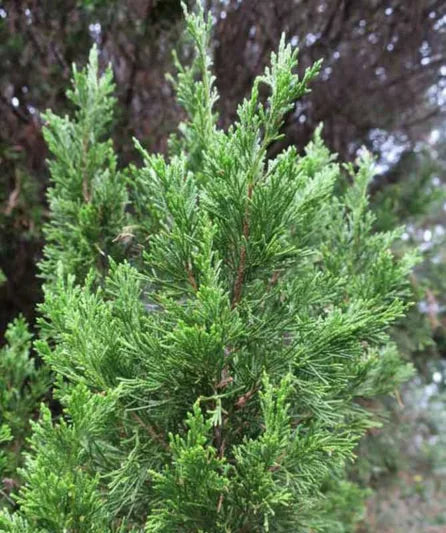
(382, 85)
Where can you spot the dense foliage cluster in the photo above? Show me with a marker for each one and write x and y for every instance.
(215, 345)
(22, 386)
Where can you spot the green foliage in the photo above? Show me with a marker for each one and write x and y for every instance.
(195, 91)
(218, 382)
(410, 426)
(87, 202)
(412, 199)
(87, 197)
(58, 458)
(22, 385)
(187, 492)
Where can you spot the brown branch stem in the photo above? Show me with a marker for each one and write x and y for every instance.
(191, 277)
(151, 431)
(238, 285)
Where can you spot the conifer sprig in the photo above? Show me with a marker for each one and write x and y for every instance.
(87, 197)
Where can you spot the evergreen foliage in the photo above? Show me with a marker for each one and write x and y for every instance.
(220, 381)
(87, 202)
(22, 386)
(87, 196)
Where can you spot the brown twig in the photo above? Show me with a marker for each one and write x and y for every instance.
(14, 196)
(243, 400)
(225, 377)
(220, 502)
(191, 277)
(8, 498)
(238, 285)
(150, 429)
(85, 181)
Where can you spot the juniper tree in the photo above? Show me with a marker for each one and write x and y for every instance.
(220, 381)
(87, 200)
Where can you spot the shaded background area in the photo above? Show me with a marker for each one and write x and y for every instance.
(382, 85)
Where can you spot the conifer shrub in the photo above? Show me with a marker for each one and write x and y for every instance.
(215, 347)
